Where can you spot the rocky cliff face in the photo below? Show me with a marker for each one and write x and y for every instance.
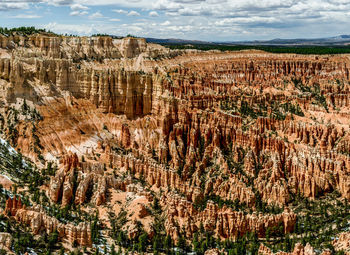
(225, 222)
(231, 140)
(115, 91)
(12, 205)
(40, 222)
(299, 249)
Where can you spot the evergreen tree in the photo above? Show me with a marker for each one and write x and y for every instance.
(156, 245)
(167, 244)
(195, 242)
(113, 250)
(142, 244)
(181, 243)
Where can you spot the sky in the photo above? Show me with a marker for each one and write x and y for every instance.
(209, 20)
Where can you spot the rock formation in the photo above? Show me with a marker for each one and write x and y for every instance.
(299, 249)
(224, 222)
(13, 205)
(5, 241)
(220, 138)
(39, 221)
(342, 242)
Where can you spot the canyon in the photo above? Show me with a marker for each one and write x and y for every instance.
(136, 138)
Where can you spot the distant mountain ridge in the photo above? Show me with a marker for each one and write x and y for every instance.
(340, 40)
(176, 41)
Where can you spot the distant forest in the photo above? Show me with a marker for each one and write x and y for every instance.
(318, 50)
(23, 31)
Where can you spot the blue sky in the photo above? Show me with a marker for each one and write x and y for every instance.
(213, 20)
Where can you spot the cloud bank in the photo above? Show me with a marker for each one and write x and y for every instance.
(194, 19)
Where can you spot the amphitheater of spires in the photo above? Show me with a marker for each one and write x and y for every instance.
(224, 142)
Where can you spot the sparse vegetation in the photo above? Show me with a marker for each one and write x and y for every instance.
(278, 110)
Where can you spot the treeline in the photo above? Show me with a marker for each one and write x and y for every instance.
(113, 36)
(107, 35)
(23, 31)
(317, 50)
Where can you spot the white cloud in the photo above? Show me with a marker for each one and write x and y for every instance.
(13, 6)
(78, 7)
(27, 16)
(204, 19)
(133, 13)
(70, 28)
(96, 15)
(166, 23)
(245, 20)
(78, 13)
(59, 2)
(118, 3)
(21, 1)
(153, 14)
(120, 11)
(89, 29)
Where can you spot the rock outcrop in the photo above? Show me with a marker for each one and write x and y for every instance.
(299, 249)
(5, 241)
(342, 242)
(12, 205)
(39, 221)
(224, 222)
(132, 47)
